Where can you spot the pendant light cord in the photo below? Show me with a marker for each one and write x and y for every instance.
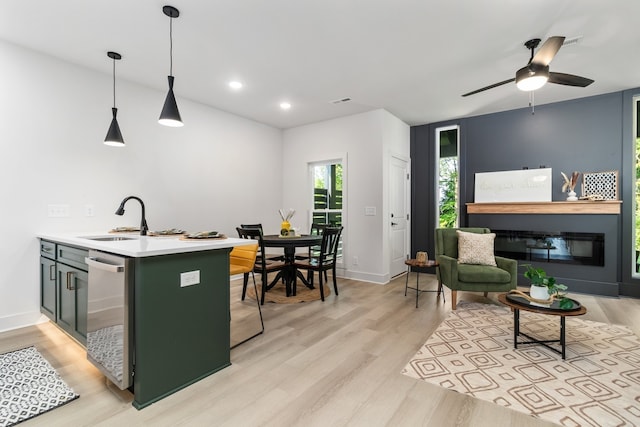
(170, 46)
(114, 82)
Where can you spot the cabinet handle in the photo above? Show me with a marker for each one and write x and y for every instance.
(70, 279)
(52, 272)
(46, 249)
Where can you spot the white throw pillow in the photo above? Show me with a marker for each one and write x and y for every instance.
(474, 248)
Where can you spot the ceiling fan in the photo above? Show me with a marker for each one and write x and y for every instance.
(536, 73)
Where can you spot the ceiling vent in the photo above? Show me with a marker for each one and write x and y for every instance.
(340, 101)
(572, 41)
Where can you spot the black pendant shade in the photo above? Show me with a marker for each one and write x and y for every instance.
(114, 136)
(170, 116)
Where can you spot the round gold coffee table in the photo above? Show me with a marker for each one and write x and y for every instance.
(420, 264)
(519, 303)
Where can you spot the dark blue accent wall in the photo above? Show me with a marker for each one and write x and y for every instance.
(587, 135)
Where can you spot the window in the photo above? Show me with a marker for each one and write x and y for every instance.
(328, 196)
(636, 230)
(447, 176)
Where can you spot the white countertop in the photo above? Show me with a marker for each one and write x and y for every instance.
(141, 246)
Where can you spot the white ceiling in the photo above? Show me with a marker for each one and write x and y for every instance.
(414, 58)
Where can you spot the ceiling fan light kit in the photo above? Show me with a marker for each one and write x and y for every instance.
(536, 73)
(528, 79)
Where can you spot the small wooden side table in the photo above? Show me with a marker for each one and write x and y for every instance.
(415, 263)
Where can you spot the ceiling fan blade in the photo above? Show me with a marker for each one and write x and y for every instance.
(569, 79)
(545, 54)
(490, 87)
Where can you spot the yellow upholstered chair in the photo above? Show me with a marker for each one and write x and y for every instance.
(242, 260)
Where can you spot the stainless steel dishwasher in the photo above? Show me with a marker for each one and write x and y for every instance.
(108, 344)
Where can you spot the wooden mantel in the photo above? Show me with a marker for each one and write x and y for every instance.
(610, 207)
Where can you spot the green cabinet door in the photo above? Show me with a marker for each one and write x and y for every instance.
(48, 288)
(72, 301)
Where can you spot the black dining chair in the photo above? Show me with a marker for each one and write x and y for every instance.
(314, 251)
(325, 259)
(263, 266)
(277, 257)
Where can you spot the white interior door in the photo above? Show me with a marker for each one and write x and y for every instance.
(398, 215)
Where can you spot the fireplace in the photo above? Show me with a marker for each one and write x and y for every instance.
(551, 246)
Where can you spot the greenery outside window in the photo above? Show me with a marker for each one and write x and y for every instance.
(637, 188)
(327, 196)
(447, 176)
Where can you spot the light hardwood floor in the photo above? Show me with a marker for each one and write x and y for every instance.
(335, 363)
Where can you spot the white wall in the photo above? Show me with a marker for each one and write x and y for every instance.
(217, 171)
(364, 140)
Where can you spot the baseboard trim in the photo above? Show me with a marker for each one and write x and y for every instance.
(22, 320)
(379, 279)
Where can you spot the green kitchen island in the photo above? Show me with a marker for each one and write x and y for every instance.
(178, 330)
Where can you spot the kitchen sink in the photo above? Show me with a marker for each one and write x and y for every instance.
(109, 238)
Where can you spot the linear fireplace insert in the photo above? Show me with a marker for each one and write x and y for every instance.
(551, 246)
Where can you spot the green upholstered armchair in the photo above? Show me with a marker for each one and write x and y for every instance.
(471, 277)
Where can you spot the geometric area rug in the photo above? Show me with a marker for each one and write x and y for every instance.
(472, 352)
(29, 386)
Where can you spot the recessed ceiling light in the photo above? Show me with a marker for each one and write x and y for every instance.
(235, 85)
(285, 105)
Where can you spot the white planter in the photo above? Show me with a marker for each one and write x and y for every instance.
(539, 292)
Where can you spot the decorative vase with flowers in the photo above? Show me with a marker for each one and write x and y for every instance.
(285, 226)
(570, 185)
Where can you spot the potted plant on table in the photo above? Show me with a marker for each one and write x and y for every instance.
(544, 289)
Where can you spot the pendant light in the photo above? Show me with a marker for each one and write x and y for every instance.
(170, 116)
(114, 137)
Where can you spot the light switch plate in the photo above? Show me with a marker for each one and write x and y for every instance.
(189, 278)
(370, 211)
(57, 211)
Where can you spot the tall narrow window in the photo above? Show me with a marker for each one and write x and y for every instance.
(447, 176)
(637, 189)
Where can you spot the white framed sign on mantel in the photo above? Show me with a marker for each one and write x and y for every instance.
(525, 185)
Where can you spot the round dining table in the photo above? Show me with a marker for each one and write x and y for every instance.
(289, 244)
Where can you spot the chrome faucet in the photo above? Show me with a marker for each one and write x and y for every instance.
(143, 221)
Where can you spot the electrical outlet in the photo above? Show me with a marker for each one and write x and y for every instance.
(89, 210)
(355, 260)
(189, 278)
(57, 211)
